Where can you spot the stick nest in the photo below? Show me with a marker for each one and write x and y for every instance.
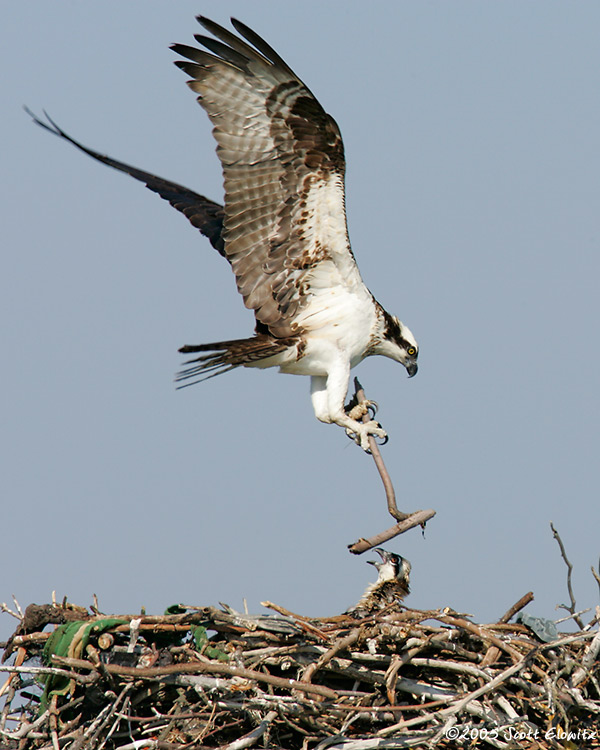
(204, 677)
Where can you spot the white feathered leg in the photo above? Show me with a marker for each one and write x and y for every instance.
(328, 395)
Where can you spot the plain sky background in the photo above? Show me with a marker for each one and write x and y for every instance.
(472, 136)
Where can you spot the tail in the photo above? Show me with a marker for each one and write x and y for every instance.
(223, 356)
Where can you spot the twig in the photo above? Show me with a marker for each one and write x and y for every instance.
(418, 518)
(596, 575)
(589, 657)
(340, 645)
(53, 722)
(105, 716)
(573, 616)
(462, 703)
(517, 607)
(452, 666)
(202, 665)
(39, 671)
(390, 494)
(492, 654)
(252, 737)
(304, 622)
(19, 659)
(573, 608)
(5, 608)
(26, 727)
(406, 521)
(479, 631)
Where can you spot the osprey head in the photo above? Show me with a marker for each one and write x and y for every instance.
(398, 343)
(392, 566)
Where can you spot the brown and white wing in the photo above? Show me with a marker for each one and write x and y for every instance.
(283, 164)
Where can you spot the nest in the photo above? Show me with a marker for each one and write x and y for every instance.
(204, 677)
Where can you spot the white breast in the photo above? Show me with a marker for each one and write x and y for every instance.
(338, 322)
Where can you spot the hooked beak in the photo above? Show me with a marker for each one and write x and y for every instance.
(411, 369)
(382, 553)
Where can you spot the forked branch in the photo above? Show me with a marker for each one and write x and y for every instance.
(572, 608)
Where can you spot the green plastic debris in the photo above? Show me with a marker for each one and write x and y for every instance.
(201, 640)
(70, 640)
(175, 609)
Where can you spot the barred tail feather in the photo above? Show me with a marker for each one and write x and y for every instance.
(222, 356)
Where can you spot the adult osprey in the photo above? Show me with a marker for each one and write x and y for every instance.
(282, 228)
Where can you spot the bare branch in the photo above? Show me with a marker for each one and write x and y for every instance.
(406, 521)
(390, 494)
(202, 665)
(589, 657)
(340, 645)
(573, 616)
(252, 737)
(573, 607)
(492, 654)
(418, 518)
(596, 575)
(517, 607)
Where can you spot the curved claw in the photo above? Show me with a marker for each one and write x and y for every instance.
(352, 435)
(372, 408)
(356, 439)
(364, 431)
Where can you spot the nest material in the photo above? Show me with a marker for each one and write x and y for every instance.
(208, 678)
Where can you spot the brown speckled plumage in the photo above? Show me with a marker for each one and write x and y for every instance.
(391, 586)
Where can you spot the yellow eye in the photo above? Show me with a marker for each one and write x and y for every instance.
(411, 350)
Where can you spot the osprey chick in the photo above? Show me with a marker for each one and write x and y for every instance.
(282, 228)
(390, 587)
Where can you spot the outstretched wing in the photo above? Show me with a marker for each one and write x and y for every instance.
(283, 163)
(204, 214)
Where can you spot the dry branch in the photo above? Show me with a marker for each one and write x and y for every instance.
(517, 607)
(493, 652)
(418, 518)
(390, 494)
(200, 666)
(572, 608)
(406, 521)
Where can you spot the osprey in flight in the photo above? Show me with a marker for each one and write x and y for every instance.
(282, 228)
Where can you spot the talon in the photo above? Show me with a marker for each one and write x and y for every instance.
(360, 439)
(360, 434)
(364, 407)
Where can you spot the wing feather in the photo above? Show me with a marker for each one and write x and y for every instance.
(283, 165)
(201, 212)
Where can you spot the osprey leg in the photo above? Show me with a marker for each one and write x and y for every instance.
(328, 394)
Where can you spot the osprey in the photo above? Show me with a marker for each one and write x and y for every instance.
(390, 587)
(282, 228)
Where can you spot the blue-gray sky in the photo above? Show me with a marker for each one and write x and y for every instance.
(471, 133)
